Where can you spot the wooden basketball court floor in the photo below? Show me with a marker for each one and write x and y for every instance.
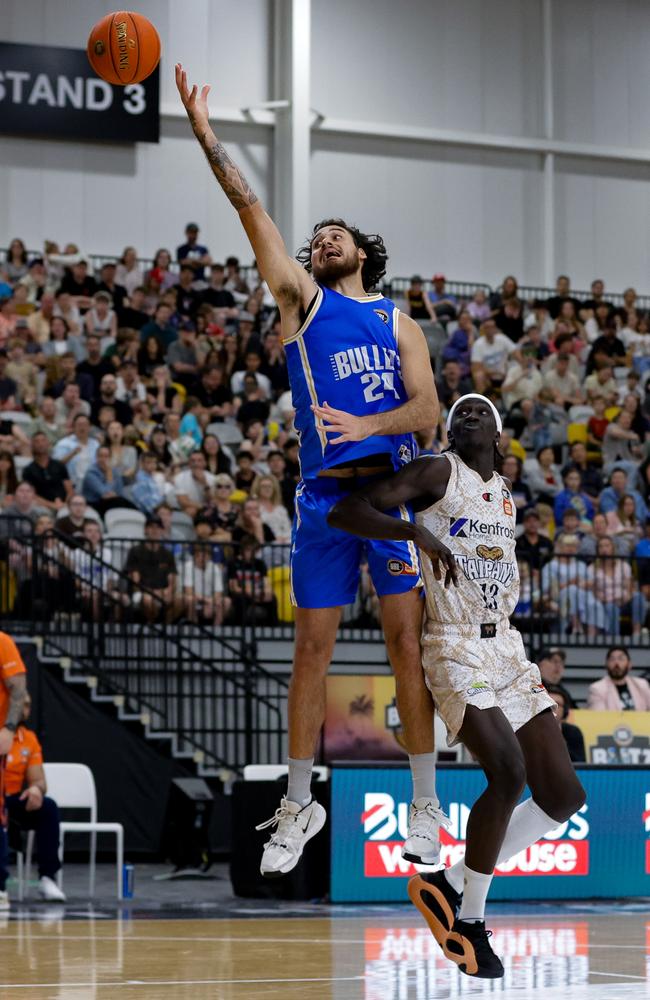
(572, 952)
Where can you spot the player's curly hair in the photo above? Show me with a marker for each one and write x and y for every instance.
(374, 266)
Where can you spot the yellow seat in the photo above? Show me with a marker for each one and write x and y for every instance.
(180, 390)
(576, 432)
(518, 450)
(612, 412)
(281, 585)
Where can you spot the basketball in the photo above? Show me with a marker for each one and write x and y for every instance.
(124, 48)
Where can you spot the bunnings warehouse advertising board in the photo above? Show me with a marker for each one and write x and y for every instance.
(603, 850)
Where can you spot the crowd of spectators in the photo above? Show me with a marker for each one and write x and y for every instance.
(163, 389)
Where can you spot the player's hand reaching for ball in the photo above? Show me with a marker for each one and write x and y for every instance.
(442, 559)
(194, 101)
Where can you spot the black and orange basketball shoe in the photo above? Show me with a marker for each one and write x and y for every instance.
(468, 945)
(437, 901)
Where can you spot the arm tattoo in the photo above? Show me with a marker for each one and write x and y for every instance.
(236, 187)
(17, 690)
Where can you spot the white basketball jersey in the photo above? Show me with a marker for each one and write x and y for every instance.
(476, 520)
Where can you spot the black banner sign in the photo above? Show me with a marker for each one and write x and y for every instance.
(53, 92)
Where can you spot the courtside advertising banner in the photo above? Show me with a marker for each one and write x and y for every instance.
(53, 92)
(603, 850)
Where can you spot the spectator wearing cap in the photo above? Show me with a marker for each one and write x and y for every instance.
(213, 394)
(194, 488)
(108, 283)
(148, 492)
(573, 496)
(418, 303)
(152, 570)
(619, 486)
(572, 735)
(619, 690)
(445, 305)
(192, 252)
(80, 285)
(532, 547)
(77, 451)
(160, 327)
(182, 356)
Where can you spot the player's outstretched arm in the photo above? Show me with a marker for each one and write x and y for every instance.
(421, 483)
(421, 412)
(288, 281)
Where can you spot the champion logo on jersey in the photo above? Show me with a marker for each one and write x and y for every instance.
(488, 496)
(383, 315)
(456, 527)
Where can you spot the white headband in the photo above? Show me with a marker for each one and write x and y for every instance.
(475, 395)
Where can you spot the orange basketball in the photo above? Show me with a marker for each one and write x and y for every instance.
(124, 47)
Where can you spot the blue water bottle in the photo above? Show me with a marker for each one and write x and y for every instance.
(127, 881)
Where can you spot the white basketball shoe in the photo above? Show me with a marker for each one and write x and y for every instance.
(422, 845)
(295, 826)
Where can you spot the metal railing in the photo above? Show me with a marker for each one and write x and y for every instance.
(191, 682)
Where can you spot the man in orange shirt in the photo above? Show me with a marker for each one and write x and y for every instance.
(13, 689)
(29, 806)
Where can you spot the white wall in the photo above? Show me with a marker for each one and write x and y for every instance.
(472, 65)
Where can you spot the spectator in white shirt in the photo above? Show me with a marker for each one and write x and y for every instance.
(203, 588)
(489, 357)
(127, 273)
(252, 361)
(77, 451)
(194, 487)
(266, 490)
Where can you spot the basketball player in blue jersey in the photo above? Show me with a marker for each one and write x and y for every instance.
(361, 383)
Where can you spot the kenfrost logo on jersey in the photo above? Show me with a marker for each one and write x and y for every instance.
(471, 527)
(563, 851)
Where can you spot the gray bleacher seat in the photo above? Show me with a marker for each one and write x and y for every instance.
(183, 526)
(122, 522)
(227, 433)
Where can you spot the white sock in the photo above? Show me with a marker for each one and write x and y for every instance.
(423, 773)
(476, 886)
(527, 824)
(300, 779)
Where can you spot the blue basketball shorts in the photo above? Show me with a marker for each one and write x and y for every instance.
(325, 561)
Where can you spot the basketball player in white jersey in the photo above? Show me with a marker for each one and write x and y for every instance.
(489, 695)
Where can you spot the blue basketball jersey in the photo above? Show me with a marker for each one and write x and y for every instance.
(346, 354)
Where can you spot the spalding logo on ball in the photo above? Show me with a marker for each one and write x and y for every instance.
(123, 48)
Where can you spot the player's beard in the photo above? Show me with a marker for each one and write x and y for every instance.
(335, 269)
